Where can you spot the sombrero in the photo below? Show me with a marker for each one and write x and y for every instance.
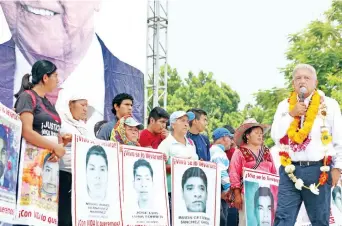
(247, 124)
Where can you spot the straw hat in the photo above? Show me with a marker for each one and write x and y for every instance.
(247, 124)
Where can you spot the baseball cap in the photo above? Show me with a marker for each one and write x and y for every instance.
(221, 132)
(130, 121)
(178, 114)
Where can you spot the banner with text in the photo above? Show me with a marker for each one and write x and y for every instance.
(260, 189)
(10, 134)
(144, 187)
(37, 202)
(194, 200)
(96, 193)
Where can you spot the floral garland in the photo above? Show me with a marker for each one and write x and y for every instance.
(299, 135)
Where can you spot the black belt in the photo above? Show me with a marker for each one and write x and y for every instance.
(308, 163)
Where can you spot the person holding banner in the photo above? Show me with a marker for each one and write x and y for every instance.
(307, 127)
(126, 131)
(73, 116)
(40, 120)
(222, 141)
(252, 153)
(177, 144)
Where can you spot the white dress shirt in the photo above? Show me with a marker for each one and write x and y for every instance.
(314, 151)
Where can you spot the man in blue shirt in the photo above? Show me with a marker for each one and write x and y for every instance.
(197, 126)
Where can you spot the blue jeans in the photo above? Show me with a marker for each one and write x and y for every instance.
(290, 198)
(233, 217)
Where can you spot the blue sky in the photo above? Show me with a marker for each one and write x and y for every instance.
(242, 42)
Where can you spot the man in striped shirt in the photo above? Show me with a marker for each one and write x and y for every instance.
(222, 141)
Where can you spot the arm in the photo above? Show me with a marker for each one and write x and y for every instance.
(235, 169)
(337, 136)
(281, 122)
(223, 163)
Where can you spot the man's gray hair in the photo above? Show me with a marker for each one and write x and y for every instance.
(304, 66)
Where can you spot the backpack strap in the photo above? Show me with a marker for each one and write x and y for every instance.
(34, 100)
(190, 141)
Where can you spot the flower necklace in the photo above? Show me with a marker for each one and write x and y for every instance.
(296, 134)
(317, 107)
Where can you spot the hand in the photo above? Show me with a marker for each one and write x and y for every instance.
(165, 157)
(201, 159)
(67, 138)
(298, 110)
(238, 202)
(53, 157)
(59, 150)
(164, 133)
(224, 196)
(335, 176)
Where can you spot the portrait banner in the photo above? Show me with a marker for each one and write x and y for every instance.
(145, 198)
(260, 200)
(10, 134)
(194, 200)
(37, 202)
(96, 193)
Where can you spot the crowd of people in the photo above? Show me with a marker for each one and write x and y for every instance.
(180, 134)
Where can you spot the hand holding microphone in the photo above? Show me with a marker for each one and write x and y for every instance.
(300, 108)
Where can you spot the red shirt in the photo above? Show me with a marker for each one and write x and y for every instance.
(148, 139)
(230, 153)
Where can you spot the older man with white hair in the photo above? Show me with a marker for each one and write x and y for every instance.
(307, 128)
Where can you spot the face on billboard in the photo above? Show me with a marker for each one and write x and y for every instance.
(195, 194)
(59, 30)
(264, 211)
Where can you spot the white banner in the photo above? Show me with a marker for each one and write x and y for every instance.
(195, 201)
(96, 193)
(144, 187)
(10, 134)
(260, 197)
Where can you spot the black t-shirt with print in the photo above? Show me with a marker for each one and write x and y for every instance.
(46, 120)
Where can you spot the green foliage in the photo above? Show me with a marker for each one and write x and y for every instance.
(202, 91)
(320, 45)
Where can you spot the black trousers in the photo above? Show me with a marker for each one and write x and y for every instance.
(64, 204)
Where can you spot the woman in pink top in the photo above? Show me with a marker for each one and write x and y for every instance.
(251, 154)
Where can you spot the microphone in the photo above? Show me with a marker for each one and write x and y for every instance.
(302, 92)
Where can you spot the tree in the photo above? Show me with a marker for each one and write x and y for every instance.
(320, 44)
(202, 91)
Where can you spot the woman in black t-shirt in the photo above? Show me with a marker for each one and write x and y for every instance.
(39, 117)
(40, 120)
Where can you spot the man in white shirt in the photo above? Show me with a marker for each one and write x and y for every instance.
(177, 144)
(305, 124)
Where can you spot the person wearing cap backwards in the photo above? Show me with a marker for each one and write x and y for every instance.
(222, 141)
(253, 154)
(156, 130)
(197, 126)
(308, 124)
(73, 116)
(126, 131)
(177, 144)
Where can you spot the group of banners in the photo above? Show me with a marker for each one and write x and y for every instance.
(116, 185)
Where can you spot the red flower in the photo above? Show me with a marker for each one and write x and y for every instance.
(9, 165)
(323, 178)
(284, 140)
(284, 154)
(328, 160)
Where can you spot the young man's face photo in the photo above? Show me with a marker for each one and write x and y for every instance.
(264, 211)
(143, 182)
(195, 194)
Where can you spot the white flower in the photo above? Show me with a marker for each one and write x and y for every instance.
(314, 189)
(321, 93)
(290, 169)
(299, 184)
(325, 168)
(37, 170)
(293, 177)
